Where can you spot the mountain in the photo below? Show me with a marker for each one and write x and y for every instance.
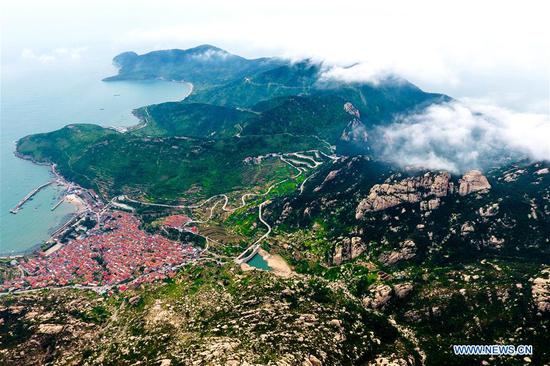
(191, 119)
(463, 256)
(289, 79)
(202, 65)
(295, 99)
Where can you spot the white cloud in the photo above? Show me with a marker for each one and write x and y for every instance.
(458, 137)
(210, 55)
(57, 54)
(363, 72)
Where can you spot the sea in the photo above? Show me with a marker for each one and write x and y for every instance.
(37, 98)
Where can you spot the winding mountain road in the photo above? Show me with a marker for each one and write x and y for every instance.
(251, 250)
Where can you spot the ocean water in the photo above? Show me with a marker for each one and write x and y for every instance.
(42, 98)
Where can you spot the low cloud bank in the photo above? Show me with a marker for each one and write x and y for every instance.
(457, 137)
(54, 55)
(210, 55)
(359, 72)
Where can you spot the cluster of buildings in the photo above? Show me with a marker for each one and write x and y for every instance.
(176, 221)
(118, 253)
(180, 222)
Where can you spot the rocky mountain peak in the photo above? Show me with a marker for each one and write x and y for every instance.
(350, 108)
(473, 181)
(409, 190)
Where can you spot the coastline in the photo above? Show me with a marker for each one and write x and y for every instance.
(71, 198)
(79, 204)
(76, 201)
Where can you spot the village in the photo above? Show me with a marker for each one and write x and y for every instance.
(101, 247)
(116, 254)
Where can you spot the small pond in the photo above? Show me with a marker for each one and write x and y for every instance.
(259, 262)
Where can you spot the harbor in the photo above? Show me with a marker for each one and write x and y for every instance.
(19, 205)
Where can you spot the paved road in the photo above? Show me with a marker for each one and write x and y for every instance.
(252, 249)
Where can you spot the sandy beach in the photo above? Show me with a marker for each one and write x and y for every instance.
(73, 199)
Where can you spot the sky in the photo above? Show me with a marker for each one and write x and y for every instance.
(491, 51)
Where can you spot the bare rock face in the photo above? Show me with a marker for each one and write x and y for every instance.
(50, 328)
(313, 361)
(407, 251)
(541, 291)
(489, 210)
(348, 249)
(355, 131)
(467, 228)
(337, 257)
(409, 190)
(287, 209)
(379, 296)
(350, 108)
(402, 290)
(357, 247)
(430, 204)
(473, 181)
(495, 242)
(392, 360)
(330, 176)
(513, 176)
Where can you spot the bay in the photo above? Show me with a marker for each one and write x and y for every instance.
(40, 98)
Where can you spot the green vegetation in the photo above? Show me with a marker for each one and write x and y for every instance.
(323, 116)
(164, 168)
(191, 119)
(292, 79)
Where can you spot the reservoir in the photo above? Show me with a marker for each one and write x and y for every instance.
(259, 262)
(37, 98)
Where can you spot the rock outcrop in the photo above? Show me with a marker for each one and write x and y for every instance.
(467, 228)
(350, 108)
(427, 189)
(406, 252)
(379, 296)
(541, 291)
(348, 249)
(430, 205)
(473, 181)
(402, 290)
(489, 210)
(50, 328)
(330, 176)
(542, 171)
(355, 131)
(409, 190)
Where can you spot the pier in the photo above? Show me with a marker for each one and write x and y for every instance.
(58, 203)
(29, 196)
(71, 221)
